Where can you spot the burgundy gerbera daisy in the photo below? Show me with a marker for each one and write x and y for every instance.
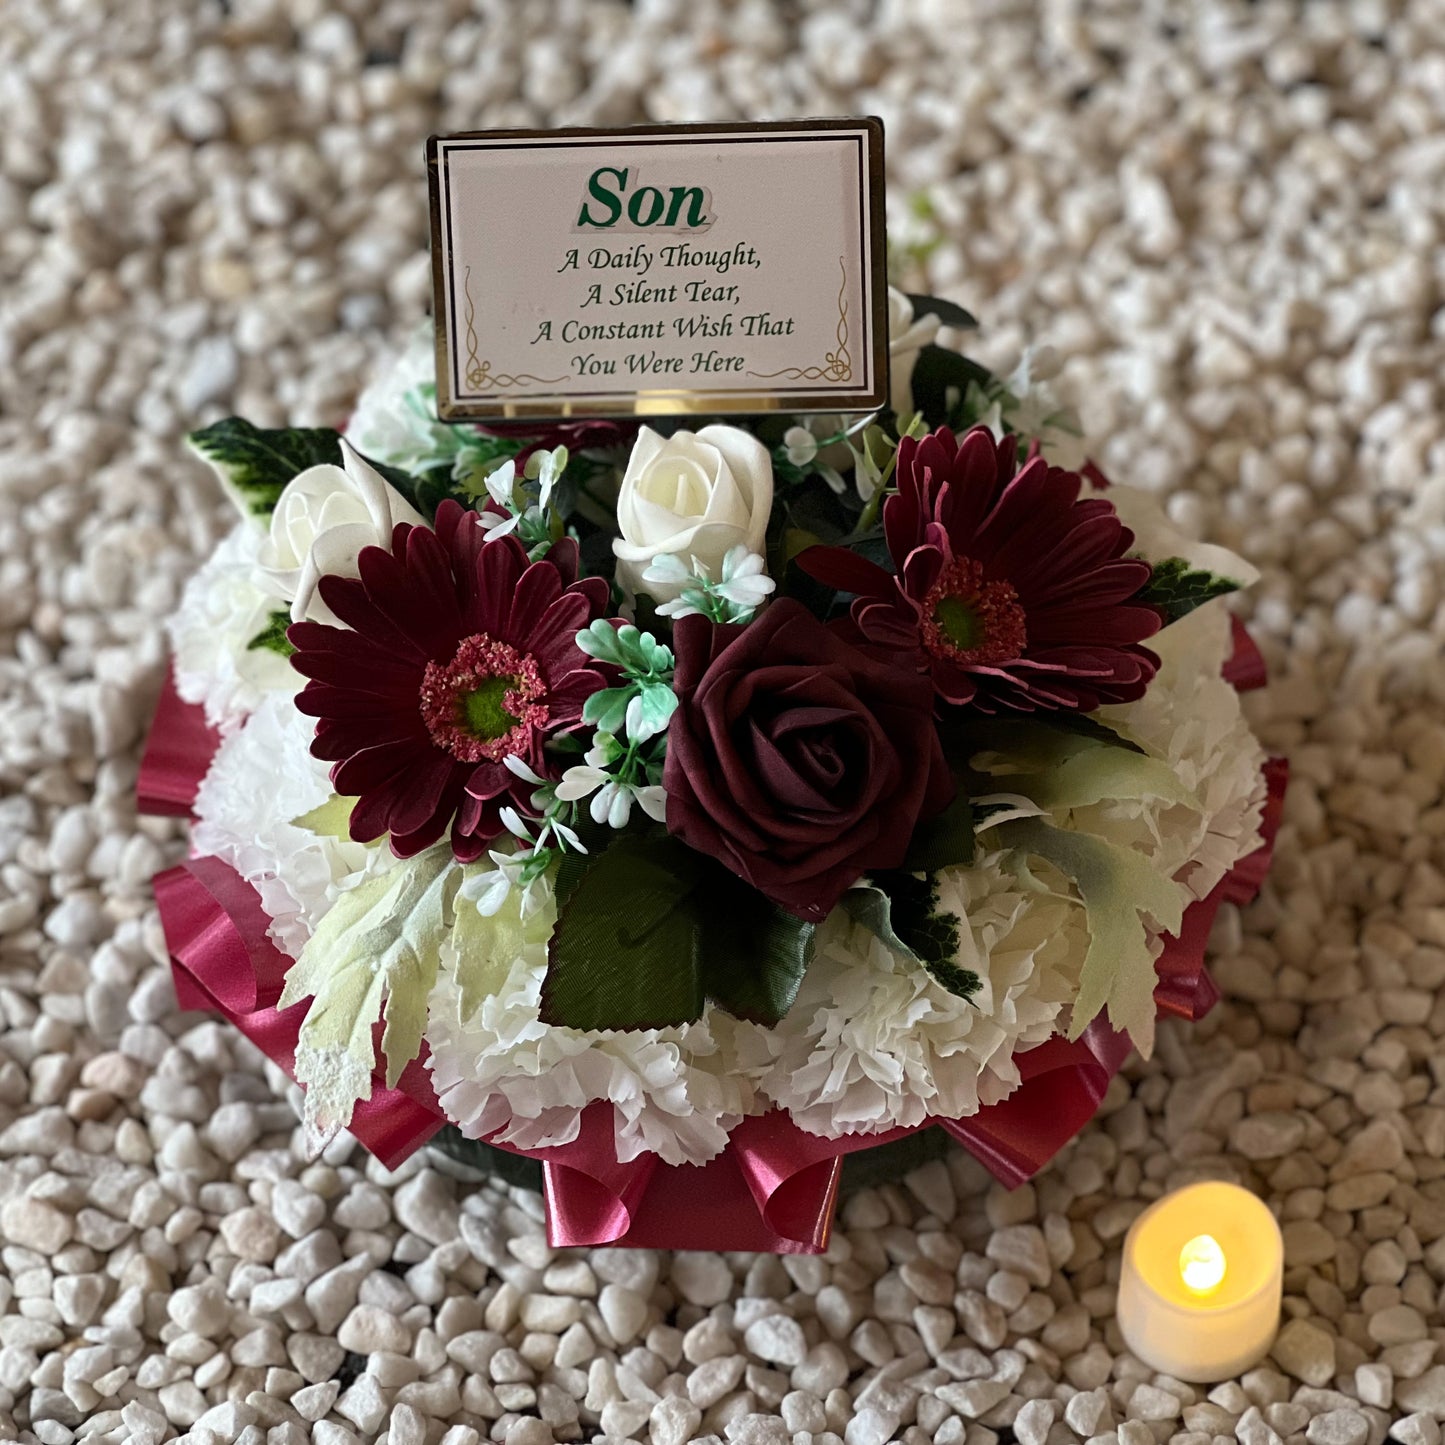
(460, 654)
(1012, 590)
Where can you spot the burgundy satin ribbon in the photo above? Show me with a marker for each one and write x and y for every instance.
(1245, 666)
(177, 754)
(773, 1188)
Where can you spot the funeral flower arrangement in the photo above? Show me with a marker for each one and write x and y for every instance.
(822, 767)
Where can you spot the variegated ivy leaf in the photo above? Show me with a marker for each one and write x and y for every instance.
(272, 637)
(1176, 588)
(255, 463)
(331, 820)
(1119, 888)
(376, 947)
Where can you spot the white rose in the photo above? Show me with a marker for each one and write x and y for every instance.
(691, 495)
(906, 338)
(323, 518)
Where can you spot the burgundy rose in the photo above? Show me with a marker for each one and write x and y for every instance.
(795, 759)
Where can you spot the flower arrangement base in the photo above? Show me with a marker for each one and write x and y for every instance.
(866, 1169)
(697, 797)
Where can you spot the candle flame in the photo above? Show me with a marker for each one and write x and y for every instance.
(1201, 1264)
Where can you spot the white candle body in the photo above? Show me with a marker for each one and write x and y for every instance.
(1216, 1335)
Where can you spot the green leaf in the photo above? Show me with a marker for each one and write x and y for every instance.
(380, 940)
(603, 641)
(936, 371)
(607, 708)
(1176, 588)
(752, 953)
(331, 820)
(1059, 770)
(272, 637)
(945, 840)
(255, 464)
(948, 312)
(1119, 888)
(659, 702)
(624, 953)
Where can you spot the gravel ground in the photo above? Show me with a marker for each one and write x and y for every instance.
(1226, 216)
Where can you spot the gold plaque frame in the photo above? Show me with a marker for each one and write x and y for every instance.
(458, 348)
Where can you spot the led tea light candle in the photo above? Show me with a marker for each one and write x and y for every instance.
(1199, 1293)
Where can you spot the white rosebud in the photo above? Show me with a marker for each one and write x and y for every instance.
(906, 338)
(694, 495)
(323, 518)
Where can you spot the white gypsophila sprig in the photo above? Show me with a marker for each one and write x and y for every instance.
(532, 855)
(1028, 406)
(800, 446)
(501, 485)
(490, 889)
(612, 790)
(741, 589)
(526, 500)
(555, 814)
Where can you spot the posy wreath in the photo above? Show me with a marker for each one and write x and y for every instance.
(705, 804)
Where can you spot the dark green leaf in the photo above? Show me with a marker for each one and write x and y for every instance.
(944, 841)
(816, 596)
(1176, 588)
(255, 463)
(753, 953)
(872, 546)
(820, 510)
(624, 953)
(948, 312)
(272, 637)
(938, 369)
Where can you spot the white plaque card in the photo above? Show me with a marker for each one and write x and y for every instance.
(660, 270)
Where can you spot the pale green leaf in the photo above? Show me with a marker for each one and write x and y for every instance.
(483, 949)
(1119, 888)
(331, 820)
(380, 941)
(1058, 771)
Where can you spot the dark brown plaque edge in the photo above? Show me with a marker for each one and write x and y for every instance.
(654, 403)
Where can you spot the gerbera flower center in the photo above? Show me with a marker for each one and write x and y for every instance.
(483, 704)
(970, 621)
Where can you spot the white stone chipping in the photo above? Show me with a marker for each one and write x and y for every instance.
(1227, 218)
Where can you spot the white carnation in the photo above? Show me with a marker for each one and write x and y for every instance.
(873, 1042)
(395, 419)
(262, 778)
(1192, 718)
(505, 1072)
(222, 609)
